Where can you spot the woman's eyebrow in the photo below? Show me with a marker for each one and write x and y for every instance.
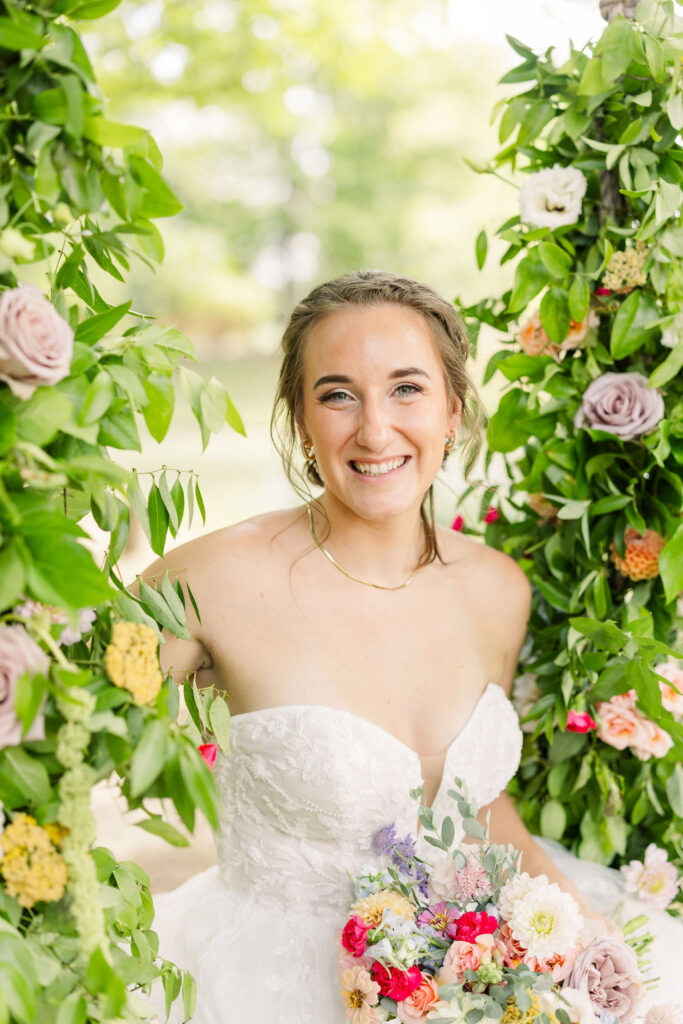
(338, 378)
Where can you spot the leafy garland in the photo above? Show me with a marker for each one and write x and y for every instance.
(590, 429)
(81, 690)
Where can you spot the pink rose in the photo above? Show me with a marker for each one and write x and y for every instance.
(414, 1009)
(672, 696)
(471, 925)
(18, 654)
(656, 742)
(354, 936)
(607, 971)
(621, 404)
(394, 983)
(460, 957)
(620, 724)
(208, 752)
(36, 344)
(580, 721)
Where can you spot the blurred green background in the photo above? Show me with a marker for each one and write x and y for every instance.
(305, 139)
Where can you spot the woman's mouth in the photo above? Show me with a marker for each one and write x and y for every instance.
(375, 469)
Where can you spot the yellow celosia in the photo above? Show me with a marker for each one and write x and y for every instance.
(31, 867)
(371, 908)
(132, 662)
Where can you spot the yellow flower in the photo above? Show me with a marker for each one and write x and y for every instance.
(31, 867)
(371, 908)
(513, 1014)
(132, 662)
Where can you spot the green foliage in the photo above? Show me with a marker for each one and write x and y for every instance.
(608, 292)
(78, 198)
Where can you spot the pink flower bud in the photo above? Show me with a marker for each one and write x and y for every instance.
(580, 721)
(491, 514)
(208, 752)
(458, 524)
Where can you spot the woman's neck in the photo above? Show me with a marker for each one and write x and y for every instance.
(382, 551)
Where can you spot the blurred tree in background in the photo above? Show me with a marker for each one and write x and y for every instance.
(305, 139)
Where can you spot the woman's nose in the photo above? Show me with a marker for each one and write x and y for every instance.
(374, 428)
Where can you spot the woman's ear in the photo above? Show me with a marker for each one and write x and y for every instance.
(455, 415)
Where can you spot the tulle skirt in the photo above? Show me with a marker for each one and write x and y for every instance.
(257, 961)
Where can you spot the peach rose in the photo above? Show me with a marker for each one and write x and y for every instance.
(36, 343)
(533, 339)
(579, 329)
(672, 696)
(419, 1002)
(620, 725)
(657, 742)
(461, 957)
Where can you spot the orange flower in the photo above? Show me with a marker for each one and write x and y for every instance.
(534, 340)
(641, 555)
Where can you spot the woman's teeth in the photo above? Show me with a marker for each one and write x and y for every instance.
(378, 468)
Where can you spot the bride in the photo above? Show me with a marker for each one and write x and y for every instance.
(363, 650)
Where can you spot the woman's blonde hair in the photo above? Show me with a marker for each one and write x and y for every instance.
(372, 288)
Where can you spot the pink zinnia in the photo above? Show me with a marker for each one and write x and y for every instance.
(491, 514)
(472, 924)
(580, 721)
(457, 524)
(208, 752)
(441, 918)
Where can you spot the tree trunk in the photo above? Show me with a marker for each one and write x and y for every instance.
(610, 8)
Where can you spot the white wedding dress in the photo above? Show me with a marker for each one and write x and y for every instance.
(304, 789)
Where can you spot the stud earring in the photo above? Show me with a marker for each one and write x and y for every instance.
(450, 443)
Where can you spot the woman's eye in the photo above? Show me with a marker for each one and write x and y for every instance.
(411, 389)
(334, 396)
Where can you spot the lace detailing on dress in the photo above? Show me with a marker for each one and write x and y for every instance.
(304, 789)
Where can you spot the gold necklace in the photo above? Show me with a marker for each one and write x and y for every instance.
(341, 568)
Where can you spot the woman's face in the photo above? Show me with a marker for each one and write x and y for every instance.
(376, 408)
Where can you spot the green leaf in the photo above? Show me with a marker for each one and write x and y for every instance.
(530, 277)
(168, 502)
(200, 502)
(669, 368)
(605, 635)
(554, 314)
(72, 1010)
(579, 298)
(98, 398)
(26, 773)
(158, 607)
(199, 783)
(233, 418)
(674, 110)
(507, 428)
(95, 327)
(481, 248)
(447, 831)
(64, 573)
(178, 498)
(17, 36)
(671, 565)
(73, 96)
(158, 519)
(632, 324)
(159, 200)
(161, 400)
(618, 48)
(674, 790)
(553, 819)
(148, 757)
(219, 720)
(110, 133)
(474, 828)
(43, 416)
(161, 828)
(138, 505)
(213, 405)
(12, 576)
(555, 259)
(172, 600)
(28, 697)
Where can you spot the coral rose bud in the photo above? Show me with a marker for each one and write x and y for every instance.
(457, 524)
(208, 751)
(491, 514)
(580, 721)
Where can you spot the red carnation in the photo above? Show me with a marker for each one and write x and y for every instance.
(394, 983)
(473, 924)
(355, 935)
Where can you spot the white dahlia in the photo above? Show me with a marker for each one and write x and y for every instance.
(516, 891)
(547, 921)
(552, 197)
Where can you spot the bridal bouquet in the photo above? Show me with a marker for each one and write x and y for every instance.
(467, 939)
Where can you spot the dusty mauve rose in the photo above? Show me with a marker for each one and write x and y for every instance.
(36, 344)
(18, 654)
(621, 404)
(607, 971)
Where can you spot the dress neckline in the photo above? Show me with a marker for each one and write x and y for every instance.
(490, 687)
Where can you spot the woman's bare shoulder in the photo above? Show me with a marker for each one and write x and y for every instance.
(490, 565)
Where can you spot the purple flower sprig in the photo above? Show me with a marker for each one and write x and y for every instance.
(401, 852)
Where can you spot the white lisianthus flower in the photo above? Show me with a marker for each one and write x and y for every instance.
(674, 332)
(443, 877)
(517, 890)
(552, 197)
(654, 879)
(576, 1004)
(547, 922)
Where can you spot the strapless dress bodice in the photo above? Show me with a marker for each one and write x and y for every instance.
(304, 788)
